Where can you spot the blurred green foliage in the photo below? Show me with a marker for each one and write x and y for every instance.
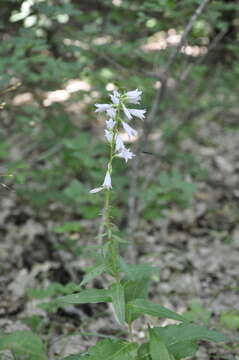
(67, 55)
(47, 45)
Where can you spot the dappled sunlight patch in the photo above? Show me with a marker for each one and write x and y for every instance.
(79, 43)
(56, 96)
(23, 98)
(164, 39)
(75, 85)
(194, 50)
(157, 84)
(110, 87)
(62, 95)
(116, 2)
(102, 40)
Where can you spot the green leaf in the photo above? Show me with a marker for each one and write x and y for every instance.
(91, 296)
(137, 272)
(24, 343)
(93, 273)
(53, 289)
(70, 226)
(198, 312)
(230, 319)
(135, 290)
(75, 190)
(143, 352)
(147, 307)
(118, 299)
(112, 350)
(181, 339)
(75, 357)
(158, 349)
(111, 257)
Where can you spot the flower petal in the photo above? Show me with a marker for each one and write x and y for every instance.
(127, 113)
(111, 112)
(115, 97)
(138, 113)
(134, 96)
(93, 191)
(108, 135)
(110, 124)
(129, 130)
(102, 107)
(119, 143)
(107, 181)
(126, 154)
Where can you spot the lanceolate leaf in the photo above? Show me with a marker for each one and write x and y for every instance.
(143, 352)
(135, 290)
(87, 296)
(118, 299)
(138, 272)
(181, 340)
(143, 306)
(158, 349)
(112, 350)
(24, 343)
(76, 357)
(93, 273)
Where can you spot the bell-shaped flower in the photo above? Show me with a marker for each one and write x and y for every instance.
(137, 113)
(110, 124)
(96, 190)
(126, 154)
(102, 107)
(115, 97)
(106, 184)
(111, 112)
(119, 145)
(107, 181)
(134, 96)
(108, 135)
(129, 130)
(127, 112)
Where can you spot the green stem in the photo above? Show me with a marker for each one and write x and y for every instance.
(131, 332)
(113, 246)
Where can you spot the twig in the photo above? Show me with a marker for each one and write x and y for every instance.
(186, 31)
(10, 88)
(199, 60)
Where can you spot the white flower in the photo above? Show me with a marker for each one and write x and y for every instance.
(127, 113)
(111, 112)
(106, 184)
(108, 135)
(130, 131)
(107, 181)
(102, 107)
(126, 154)
(115, 97)
(138, 113)
(110, 124)
(93, 191)
(134, 96)
(119, 143)
(113, 125)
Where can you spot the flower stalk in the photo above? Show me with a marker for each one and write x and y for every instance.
(114, 125)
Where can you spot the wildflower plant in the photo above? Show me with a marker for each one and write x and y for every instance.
(113, 126)
(128, 286)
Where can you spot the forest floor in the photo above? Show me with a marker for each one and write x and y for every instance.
(196, 250)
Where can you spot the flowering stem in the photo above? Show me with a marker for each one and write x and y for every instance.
(113, 247)
(117, 148)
